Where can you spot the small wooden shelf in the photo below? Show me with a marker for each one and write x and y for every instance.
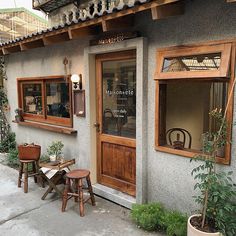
(58, 129)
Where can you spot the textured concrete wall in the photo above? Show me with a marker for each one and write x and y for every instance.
(169, 179)
(46, 62)
(168, 176)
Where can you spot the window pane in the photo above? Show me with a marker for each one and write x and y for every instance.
(119, 98)
(184, 111)
(201, 62)
(57, 99)
(32, 98)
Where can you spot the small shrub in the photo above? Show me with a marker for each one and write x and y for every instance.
(13, 160)
(149, 217)
(154, 217)
(176, 224)
(44, 158)
(8, 143)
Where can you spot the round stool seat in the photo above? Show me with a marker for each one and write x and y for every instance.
(78, 174)
(27, 161)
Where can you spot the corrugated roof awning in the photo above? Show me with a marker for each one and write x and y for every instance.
(105, 20)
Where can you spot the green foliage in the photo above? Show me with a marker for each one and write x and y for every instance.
(3, 97)
(12, 158)
(149, 216)
(55, 148)
(8, 143)
(217, 190)
(44, 158)
(176, 223)
(154, 217)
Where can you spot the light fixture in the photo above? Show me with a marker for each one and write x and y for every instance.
(77, 79)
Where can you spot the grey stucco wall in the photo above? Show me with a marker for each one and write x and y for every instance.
(168, 176)
(46, 62)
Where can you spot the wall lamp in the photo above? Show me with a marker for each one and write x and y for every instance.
(77, 79)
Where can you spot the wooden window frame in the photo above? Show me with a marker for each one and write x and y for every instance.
(160, 78)
(224, 49)
(53, 120)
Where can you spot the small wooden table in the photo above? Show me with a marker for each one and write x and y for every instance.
(52, 182)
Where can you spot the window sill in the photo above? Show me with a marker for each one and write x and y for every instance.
(187, 153)
(52, 128)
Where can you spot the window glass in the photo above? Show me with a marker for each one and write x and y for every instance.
(32, 98)
(119, 97)
(57, 98)
(184, 112)
(201, 62)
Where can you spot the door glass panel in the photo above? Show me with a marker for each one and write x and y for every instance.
(119, 98)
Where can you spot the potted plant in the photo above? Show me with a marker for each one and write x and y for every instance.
(217, 192)
(18, 116)
(55, 150)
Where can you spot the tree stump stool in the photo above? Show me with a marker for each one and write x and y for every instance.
(74, 181)
(24, 170)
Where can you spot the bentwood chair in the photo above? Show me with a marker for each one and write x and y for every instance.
(179, 138)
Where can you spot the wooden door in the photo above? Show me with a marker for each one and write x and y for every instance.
(116, 120)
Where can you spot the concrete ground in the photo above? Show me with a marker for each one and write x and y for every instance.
(28, 215)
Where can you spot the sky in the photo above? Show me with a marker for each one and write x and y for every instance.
(19, 3)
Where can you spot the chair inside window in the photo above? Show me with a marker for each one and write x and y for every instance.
(179, 138)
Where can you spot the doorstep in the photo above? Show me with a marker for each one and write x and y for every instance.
(114, 195)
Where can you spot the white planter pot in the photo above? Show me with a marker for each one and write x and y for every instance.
(195, 232)
(53, 158)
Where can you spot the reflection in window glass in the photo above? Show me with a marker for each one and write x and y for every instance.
(32, 102)
(119, 98)
(57, 99)
(190, 112)
(201, 62)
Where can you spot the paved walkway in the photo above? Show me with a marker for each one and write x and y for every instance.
(27, 215)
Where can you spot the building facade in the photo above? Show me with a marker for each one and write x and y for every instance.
(18, 22)
(137, 88)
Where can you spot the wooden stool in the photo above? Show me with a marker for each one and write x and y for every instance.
(77, 176)
(24, 165)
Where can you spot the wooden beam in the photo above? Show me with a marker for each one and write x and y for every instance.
(83, 32)
(164, 11)
(22, 47)
(32, 44)
(11, 49)
(4, 51)
(56, 38)
(69, 34)
(119, 23)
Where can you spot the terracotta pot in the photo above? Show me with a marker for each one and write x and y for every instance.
(195, 232)
(29, 152)
(17, 119)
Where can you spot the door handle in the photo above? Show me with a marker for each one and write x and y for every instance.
(97, 126)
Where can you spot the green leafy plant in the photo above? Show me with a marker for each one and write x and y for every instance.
(217, 190)
(8, 142)
(12, 157)
(44, 158)
(149, 217)
(176, 223)
(18, 115)
(55, 148)
(154, 217)
(4, 125)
